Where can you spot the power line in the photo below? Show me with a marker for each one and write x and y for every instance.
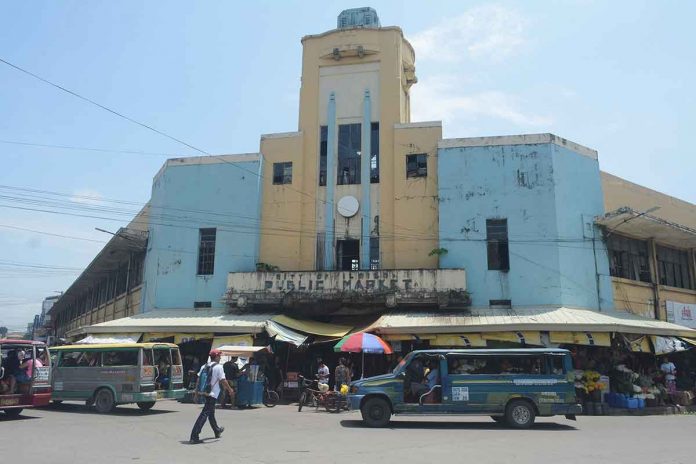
(51, 234)
(102, 150)
(164, 134)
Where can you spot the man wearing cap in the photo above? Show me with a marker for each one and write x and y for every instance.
(216, 377)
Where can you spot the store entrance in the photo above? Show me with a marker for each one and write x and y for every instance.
(348, 255)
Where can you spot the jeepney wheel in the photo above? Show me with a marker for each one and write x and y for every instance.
(145, 405)
(376, 412)
(104, 401)
(520, 414)
(14, 412)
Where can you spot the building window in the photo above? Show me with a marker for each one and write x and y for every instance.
(202, 304)
(282, 173)
(349, 141)
(206, 251)
(416, 165)
(497, 238)
(323, 137)
(628, 258)
(348, 255)
(374, 253)
(673, 267)
(374, 153)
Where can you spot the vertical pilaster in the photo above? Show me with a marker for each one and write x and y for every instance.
(655, 274)
(329, 241)
(365, 165)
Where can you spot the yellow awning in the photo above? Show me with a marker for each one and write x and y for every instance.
(154, 336)
(529, 338)
(472, 340)
(407, 337)
(690, 341)
(313, 327)
(233, 340)
(581, 338)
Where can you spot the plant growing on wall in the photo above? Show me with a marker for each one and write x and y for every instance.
(438, 252)
(265, 267)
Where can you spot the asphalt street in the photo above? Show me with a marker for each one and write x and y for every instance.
(73, 433)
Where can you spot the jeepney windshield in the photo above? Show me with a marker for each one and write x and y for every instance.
(399, 367)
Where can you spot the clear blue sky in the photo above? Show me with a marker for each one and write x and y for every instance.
(616, 76)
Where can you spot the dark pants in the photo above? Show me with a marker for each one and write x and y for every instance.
(208, 413)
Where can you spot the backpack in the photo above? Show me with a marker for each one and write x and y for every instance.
(204, 385)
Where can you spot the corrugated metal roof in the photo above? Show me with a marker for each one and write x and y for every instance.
(543, 319)
(182, 320)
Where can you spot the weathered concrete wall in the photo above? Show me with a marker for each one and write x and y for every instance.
(549, 195)
(186, 196)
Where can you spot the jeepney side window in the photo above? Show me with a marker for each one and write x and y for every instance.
(75, 359)
(176, 357)
(121, 358)
(555, 364)
(461, 365)
(147, 358)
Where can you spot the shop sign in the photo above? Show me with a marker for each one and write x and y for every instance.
(681, 313)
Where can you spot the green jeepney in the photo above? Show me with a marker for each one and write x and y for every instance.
(105, 375)
(512, 386)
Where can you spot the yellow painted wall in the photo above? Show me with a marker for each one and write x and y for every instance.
(619, 192)
(634, 297)
(414, 231)
(282, 232)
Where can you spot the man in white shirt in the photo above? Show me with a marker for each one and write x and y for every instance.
(323, 373)
(215, 379)
(670, 371)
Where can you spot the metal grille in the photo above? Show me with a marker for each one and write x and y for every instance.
(206, 251)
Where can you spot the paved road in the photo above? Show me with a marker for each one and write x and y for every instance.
(71, 433)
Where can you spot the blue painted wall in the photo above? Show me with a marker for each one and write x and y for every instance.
(549, 196)
(184, 199)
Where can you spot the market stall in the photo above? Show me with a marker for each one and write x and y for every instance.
(250, 384)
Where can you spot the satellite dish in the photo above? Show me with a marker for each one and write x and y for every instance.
(348, 206)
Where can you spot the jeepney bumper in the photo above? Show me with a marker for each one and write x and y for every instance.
(568, 410)
(41, 399)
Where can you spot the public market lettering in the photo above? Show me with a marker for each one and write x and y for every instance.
(364, 282)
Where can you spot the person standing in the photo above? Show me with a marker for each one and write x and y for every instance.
(323, 373)
(670, 371)
(342, 374)
(231, 373)
(215, 377)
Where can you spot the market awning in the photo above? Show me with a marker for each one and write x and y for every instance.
(241, 351)
(664, 345)
(233, 340)
(556, 319)
(284, 334)
(313, 327)
(464, 340)
(526, 337)
(645, 226)
(181, 321)
(110, 338)
(581, 338)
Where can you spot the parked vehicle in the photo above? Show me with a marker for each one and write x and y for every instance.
(512, 386)
(105, 375)
(22, 387)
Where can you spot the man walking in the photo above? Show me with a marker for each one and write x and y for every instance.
(210, 377)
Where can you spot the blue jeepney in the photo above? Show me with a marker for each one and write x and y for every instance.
(511, 385)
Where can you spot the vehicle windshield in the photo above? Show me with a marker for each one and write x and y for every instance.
(399, 367)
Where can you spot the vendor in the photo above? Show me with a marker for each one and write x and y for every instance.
(670, 371)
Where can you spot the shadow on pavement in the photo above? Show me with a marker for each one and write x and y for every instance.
(118, 411)
(403, 425)
(206, 441)
(5, 418)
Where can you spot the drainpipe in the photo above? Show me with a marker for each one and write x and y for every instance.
(329, 254)
(365, 168)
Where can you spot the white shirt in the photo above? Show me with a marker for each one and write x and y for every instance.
(668, 368)
(217, 373)
(323, 372)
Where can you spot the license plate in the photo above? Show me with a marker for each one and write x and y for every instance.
(9, 402)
